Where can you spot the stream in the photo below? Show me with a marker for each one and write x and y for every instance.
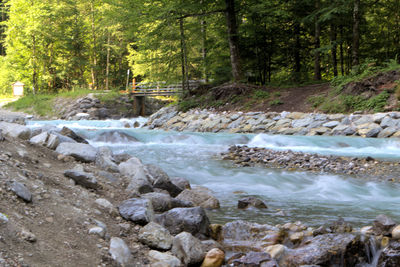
(308, 197)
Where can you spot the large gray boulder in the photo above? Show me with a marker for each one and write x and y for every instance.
(45, 139)
(139, 184)
(82, 178)
(188, 249)
(383, 225)
(164, 202)
(192, 220)
(104, 159)
(160, 259)
(71, 134)
(200, 196)
(161, 180)
(15, 130)
(137, 210)
(81, 152)
(155, 236)
(115, 137)
(130, 167)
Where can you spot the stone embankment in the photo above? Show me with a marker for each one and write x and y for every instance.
(381, 125)
(57, 185)
(367, 168)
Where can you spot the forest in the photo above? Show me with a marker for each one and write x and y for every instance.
(53, 46)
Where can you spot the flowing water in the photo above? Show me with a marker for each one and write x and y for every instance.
(308, 197)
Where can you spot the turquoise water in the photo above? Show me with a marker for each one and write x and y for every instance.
(308, 197)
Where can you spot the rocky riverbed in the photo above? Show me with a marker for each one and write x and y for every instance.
(366, 168)
(381, 125)
(64, 202)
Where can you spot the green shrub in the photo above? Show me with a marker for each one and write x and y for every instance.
(275, 102)
(185, 105)
(316, 100)
(260, 94)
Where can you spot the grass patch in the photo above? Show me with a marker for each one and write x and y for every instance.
(316, 100)
(260, 94)
(275, 102)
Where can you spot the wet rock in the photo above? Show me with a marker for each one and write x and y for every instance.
(187, 248)
(15, 130)
(139, 211)
(396, 232)
(390, 256)
(214, 258)
(252, 259)
(247, 202)
(328, 250)
(104, 159)
(383, 225)
(71, 134)
(114, 137)
(164, 202)
(159, 259)
(200, 196)
(180, 182)
(82, 178)
(276, 251)
(192, 220)
(120, 251)
(211, 244)
(161, 180)
(81, 152)
(155, 236)
(340, 226)
(21, 191)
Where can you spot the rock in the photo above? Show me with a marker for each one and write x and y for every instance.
(82, 178)
(115, 137)
(214, 258)
(52, 141)
(396, 232)
(187, 248)
(180, 182)
(192, 220)
(15, 130)
(387, 132)
(130, 167)
(28, 236)
(200, 196)
(2, 136)
(390, 256)
(247, 202)
(99, 231)
(81, 152)
(104, 159)
(155, 236)
(105, 204)
(211, 244)
(383, 225)
(139, 211)
(40, 139)
(21, 191)
(161, 180)
(276, 251)
(328, 250)
(331, 124)
(252, 259)
(3, 218)
(120, 251)
(139, 184)
(71, 134)
(159, 259)
(164, 202)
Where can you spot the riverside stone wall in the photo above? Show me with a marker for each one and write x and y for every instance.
(379, 125)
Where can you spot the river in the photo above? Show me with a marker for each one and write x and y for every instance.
(304, 196)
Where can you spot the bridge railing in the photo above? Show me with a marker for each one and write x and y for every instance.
(161, 88)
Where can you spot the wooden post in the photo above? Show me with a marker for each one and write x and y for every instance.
(133, 84)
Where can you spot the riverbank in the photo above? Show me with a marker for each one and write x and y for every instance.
(135, 214)
(380, 125)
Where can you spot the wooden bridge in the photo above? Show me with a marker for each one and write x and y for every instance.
(141, 90)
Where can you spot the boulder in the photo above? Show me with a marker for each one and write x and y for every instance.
(192, 220)
(155, 236)
(137, 210)
(188, 249)
(390, 256)
(139, 184)
(45, 139)
(180, 182)
(383, 225)
(81, 152)
(396, 232)
(104, 159)
(161, 180)
(120, 251)
(115, 137)
(253, 258)
(159, 259)
(214, 258)
(71, 134)
(53, 141)
(130, 167)
(247, 202)
(2, 138)
(82, 178)
(163, 202)
(200, 196)
(15, 130)
(21, 191)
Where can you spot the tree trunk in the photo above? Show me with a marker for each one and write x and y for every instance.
(233, 39)
(334, 49)
(94, 56)
(204, 49)
(356, 33)
(34, 74)
(2, 29)
(317, 63)
(185, 75)
(108, 60)
(297, 49)
(341, 51)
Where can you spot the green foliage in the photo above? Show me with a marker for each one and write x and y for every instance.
(316, 101)
(260, 94)
(275, 102)
(187, 104)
